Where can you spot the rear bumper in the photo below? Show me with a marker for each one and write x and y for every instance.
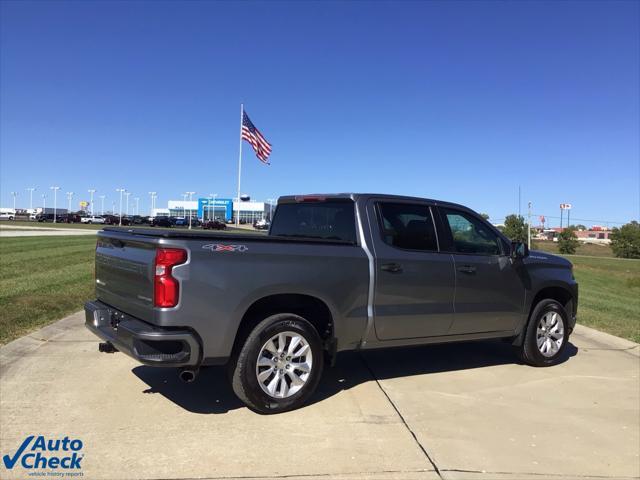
(149, 344)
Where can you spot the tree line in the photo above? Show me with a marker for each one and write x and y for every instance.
(625, 241)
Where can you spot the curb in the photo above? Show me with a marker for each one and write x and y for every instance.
(608, 341)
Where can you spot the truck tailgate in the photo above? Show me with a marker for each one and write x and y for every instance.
(124, 274)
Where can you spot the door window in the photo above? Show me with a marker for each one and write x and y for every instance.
(407, 226)
(470, 235)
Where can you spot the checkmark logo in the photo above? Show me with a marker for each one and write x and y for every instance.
(10, 462)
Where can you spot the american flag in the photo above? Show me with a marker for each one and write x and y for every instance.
(252, 135)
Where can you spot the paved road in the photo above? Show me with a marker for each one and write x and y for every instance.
(453, 412)
(20, 231)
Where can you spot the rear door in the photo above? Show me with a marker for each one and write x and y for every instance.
(414, 282)
(490, 289)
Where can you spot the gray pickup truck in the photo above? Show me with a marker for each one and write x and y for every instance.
(335, 272)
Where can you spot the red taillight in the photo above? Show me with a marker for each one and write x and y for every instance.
(166, 288)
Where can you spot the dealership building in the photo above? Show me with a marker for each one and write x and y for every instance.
(221, 208)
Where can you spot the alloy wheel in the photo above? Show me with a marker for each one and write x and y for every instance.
(284, 364)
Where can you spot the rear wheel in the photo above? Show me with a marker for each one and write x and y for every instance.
(279, 366)
(546, 336)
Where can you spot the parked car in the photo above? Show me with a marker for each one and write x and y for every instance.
(161, 222)
(73, 218)
(93, 219)
(261, 224)
(115, 220)
(7, 215)
(214, 225)
(184, 222)
(336, 272)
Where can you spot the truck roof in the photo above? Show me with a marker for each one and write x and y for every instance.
(365, 196)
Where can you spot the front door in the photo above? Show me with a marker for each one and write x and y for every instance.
(490, 290)
(414, 282)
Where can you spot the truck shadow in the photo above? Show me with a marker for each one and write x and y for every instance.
(211, 392)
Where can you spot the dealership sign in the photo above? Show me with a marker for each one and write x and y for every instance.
(565, 206)
(223, 207)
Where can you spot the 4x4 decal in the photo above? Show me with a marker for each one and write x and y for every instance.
(219, 247)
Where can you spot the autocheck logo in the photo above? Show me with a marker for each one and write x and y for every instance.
(38, 452)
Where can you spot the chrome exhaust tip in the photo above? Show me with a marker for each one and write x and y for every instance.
(187, 375)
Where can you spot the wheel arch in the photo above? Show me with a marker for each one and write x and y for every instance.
(560, 293)
(311, 308)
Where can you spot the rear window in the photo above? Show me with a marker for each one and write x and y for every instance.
(330, 220)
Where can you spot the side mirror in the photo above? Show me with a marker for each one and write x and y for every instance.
(519, 250)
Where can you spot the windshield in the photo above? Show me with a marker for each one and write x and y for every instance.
(331, 220)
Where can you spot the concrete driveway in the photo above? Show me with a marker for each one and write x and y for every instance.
(450, 411)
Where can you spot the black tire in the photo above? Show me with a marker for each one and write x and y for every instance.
(243, 375)
(529, 351)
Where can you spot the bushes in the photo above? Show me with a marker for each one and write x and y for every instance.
(568, 241)
(625, 241)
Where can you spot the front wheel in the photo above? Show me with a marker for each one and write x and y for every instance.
(279, 366)
(546, 336)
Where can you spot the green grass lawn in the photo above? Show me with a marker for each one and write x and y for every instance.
(609, 294)
(609, 289)
(45, 278)
(589, 249)
(42, 279)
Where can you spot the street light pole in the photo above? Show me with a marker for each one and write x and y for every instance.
(529, 226)
(102, 204)
(137, 200)
(44, 204)
(91, 192)
(30, 190)
(212, 206)
(55, 202)
(184, 201)
(270, 200)
(121, 190)
(126, 194)
(15, 194)
(153, 203)
(190, 212)
(69, 197)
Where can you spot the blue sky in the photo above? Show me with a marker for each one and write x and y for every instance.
(461, 101)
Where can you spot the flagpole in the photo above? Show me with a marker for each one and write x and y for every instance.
(239, 166)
